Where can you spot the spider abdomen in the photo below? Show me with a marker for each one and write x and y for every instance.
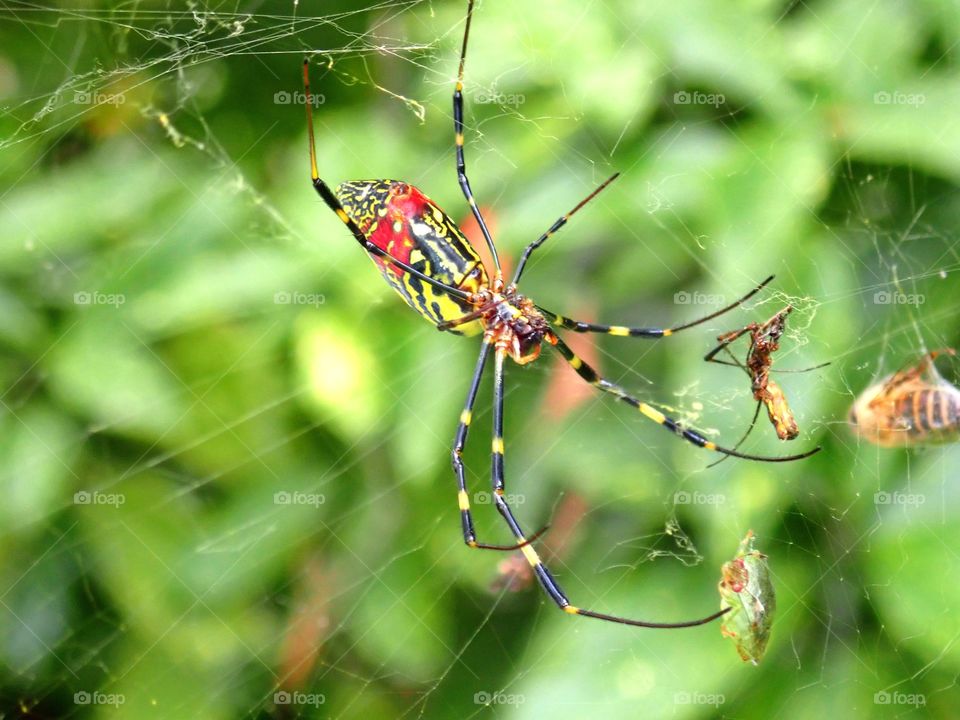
(400, 219)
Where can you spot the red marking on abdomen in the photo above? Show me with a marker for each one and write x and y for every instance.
(405, 203)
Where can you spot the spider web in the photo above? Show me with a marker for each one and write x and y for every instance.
(226, 483)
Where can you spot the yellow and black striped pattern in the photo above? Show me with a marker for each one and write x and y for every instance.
(401, 220)
(615, 330)
(912, 414)
(591, 376)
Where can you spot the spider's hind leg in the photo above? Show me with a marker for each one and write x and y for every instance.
(544, 576)
(456, 453)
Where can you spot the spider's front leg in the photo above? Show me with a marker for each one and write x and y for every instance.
(458, 142)
(331, 200)
(591, 376)
(644, 332)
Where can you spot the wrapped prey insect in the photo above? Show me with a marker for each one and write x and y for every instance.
(747, 591)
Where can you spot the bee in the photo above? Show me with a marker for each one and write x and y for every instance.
(913, 406)
(764, 341)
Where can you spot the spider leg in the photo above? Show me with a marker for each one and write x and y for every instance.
(458, 138)
(624, 331)
(559, 223)
(459, 442)
(908, 373)
(733, 362)
(594, 378)
(756, 414)
(544, 577)
(804, 370)
(324, 191)
(463, 319)
(729, 363)
(724, 345)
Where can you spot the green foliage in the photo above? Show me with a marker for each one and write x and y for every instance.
(225, 441)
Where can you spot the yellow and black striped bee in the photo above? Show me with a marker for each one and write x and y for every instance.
(914, 406)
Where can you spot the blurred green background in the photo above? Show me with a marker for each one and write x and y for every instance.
(225, 441)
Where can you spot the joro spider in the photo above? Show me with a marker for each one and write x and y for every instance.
(425, 257)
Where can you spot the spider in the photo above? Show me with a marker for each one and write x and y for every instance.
(425, 257)
(764, 341)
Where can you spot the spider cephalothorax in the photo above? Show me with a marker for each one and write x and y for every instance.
(514, 323)
(425, 257)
